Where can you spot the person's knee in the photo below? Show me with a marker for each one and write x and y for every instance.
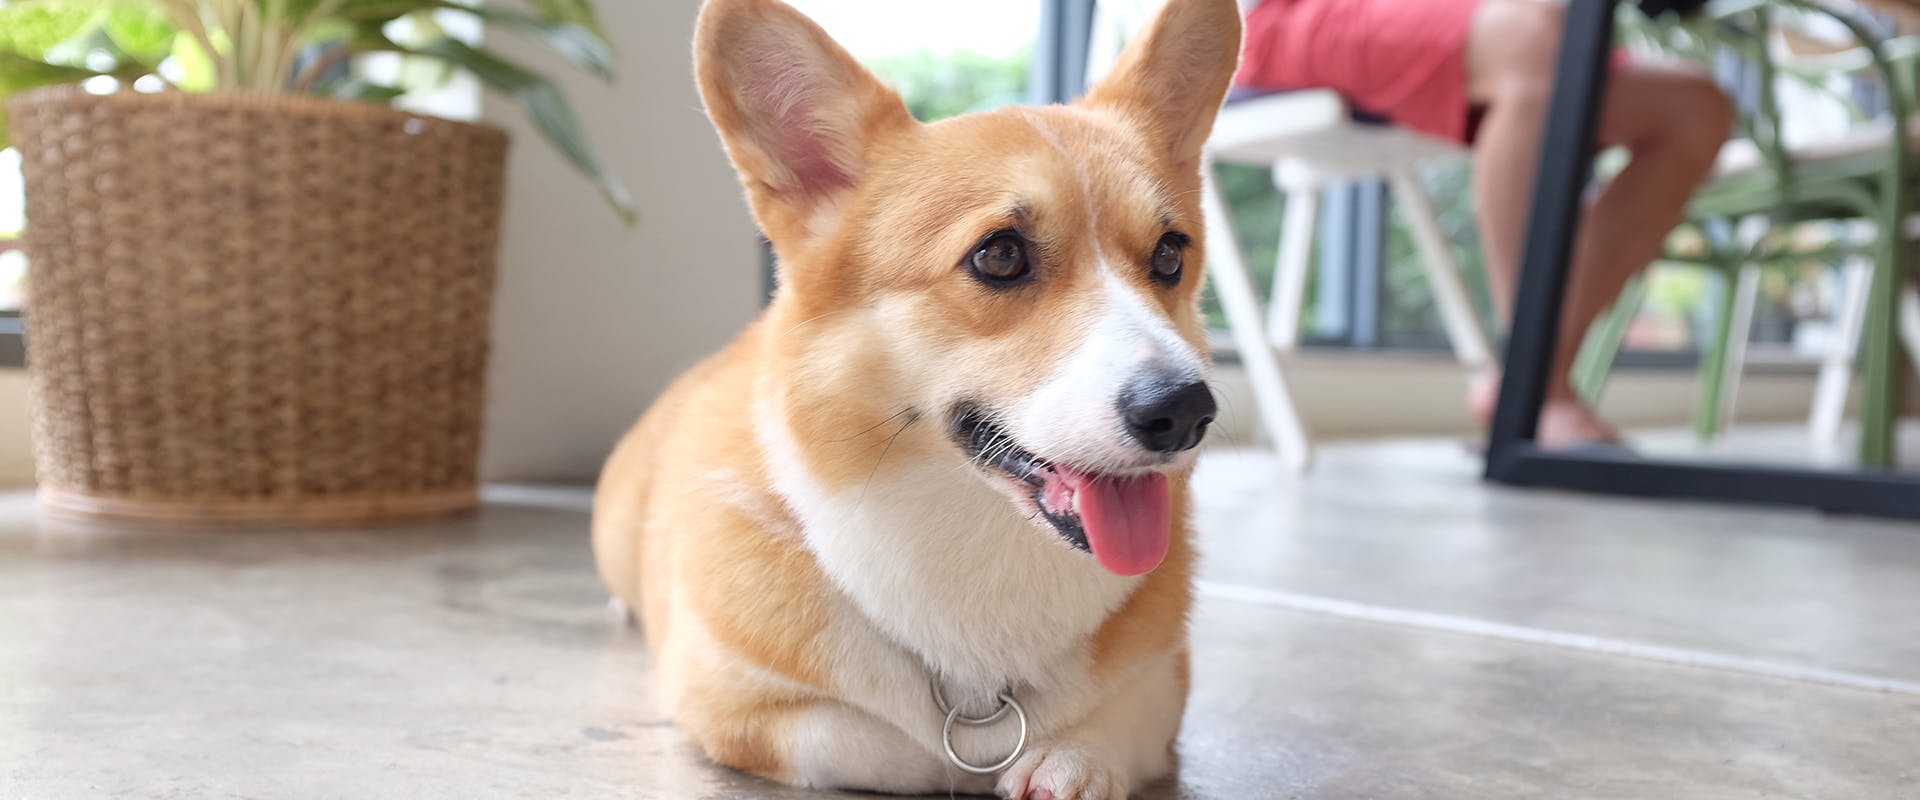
(1523, 40)
(1717, 113)
(1705, 117)
(1533, 30)
(1680, 113)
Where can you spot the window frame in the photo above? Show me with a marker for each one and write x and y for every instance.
(1058, 73)
(13, 340)
(13, 332)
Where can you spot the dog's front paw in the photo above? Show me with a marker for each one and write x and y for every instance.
(1062, 772)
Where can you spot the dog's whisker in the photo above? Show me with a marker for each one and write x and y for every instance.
(809, 321)
(883, 457)
(874, 427)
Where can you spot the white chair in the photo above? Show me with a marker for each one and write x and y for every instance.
(1310, 139)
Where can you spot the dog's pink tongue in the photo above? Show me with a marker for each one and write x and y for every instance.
(1129, 521)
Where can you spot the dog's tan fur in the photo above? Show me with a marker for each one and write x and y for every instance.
(772, 653)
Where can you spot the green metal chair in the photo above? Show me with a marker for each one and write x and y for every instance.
(1766, 179)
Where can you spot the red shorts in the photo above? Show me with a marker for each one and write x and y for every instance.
(1405, 60)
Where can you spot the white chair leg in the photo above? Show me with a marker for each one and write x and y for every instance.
(1228, 271)
(1469, 338)
(1746, 294)
(1295, 261)
(1836, 366)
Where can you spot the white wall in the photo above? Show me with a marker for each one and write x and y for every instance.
(16, 451)
(593, 319)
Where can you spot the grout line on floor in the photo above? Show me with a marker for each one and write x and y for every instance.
(553, 497)
(1469, 626)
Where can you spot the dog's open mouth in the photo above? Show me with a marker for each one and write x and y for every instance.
(1125, 521)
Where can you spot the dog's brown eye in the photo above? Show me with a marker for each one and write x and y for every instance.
(1168, 257)
(1002, 258)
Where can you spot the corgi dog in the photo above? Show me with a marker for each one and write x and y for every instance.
(922, 527)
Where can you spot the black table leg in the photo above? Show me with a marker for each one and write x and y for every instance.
(1566, 165)
(1566, 162)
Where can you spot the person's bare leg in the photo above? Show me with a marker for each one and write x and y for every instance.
(1671, 120)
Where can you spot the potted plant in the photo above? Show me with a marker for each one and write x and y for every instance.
(258, 293)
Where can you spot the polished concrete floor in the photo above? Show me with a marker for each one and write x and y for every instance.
(1386, 628)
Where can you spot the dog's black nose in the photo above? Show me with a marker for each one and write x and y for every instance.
(1168, 416)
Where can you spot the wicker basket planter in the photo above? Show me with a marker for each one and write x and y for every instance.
(256, 310)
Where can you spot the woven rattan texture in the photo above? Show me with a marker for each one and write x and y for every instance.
(239, 298)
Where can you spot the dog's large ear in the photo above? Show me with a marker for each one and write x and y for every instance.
(1174, 75)
(796, 111)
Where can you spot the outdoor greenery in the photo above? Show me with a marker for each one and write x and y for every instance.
(1257, 208)
(937, 86)
(292, 46)
(1409, 316)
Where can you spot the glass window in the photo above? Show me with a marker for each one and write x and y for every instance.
(1794, 310)
(1404, 315)
(1409, 316)
(13, 263)
(945, 58)
(1256, 207)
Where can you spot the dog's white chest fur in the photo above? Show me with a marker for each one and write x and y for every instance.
(946, 568)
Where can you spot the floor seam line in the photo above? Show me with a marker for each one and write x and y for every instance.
(1600, 645)
(535, 496)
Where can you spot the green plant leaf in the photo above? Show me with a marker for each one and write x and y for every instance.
(19, 73)
(295, 11)
(362, 91)
(303, 12)
(197, 71)
(578, 12)
(424, 73)
(33, 27)
(545, 105)
(384, 11)
(140, 30)
(80, 51)
(577, 43)
(331, 30)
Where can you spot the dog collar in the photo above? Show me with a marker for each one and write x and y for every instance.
(954, 717)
